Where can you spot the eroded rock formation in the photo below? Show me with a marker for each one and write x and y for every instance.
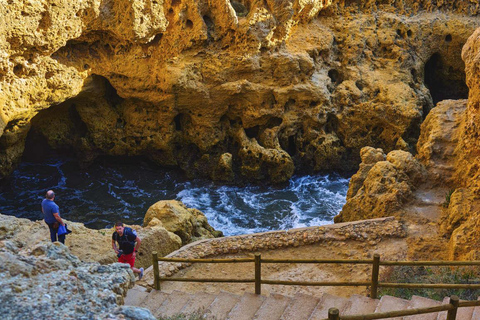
(226, 89)
(383, 185)
(189, 224)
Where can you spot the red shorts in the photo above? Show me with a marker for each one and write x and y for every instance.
(127, 258)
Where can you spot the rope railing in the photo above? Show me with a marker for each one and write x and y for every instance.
(374, 283)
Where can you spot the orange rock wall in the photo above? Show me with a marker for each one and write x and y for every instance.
(251, 90)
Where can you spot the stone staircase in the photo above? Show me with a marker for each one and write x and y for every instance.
(225, 305)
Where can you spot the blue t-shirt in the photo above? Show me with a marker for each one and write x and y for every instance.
(49, 208)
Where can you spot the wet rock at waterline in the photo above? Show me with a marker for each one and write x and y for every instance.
(225, 91)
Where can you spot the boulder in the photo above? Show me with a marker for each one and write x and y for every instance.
(189, 224)
(388, 185)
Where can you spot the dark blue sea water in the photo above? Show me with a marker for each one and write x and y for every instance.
(107, 192)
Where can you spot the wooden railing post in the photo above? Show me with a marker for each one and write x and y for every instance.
(258, 274)
(375, 272)
(156, 273)
(333, 314)
(452, 314)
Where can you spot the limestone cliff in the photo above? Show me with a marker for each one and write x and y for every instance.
(226, 89)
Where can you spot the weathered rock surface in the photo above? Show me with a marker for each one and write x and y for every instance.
(461, 219)
(226, 89)
(188, 223)
(383, 186)
(88, 244)
(48, 282)
(439, 139)
(368, 232)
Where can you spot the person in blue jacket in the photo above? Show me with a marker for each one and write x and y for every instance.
(52, 217)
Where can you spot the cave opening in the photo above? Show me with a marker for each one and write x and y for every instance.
(444, 80)
(179, 118)
(65, 128)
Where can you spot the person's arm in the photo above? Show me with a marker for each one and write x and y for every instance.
(138, 241)
(57, 217)
(114, 246)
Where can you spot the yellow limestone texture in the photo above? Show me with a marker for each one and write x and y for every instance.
(224, 89)
(448, 159)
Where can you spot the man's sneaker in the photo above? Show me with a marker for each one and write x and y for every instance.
(140, 275)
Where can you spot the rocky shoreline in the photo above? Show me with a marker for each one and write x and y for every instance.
(81, 280)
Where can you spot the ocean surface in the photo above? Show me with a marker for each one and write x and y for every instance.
(109, 191)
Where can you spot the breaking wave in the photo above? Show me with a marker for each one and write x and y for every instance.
(107, 192)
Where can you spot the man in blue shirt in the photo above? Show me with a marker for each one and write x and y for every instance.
(52, 216)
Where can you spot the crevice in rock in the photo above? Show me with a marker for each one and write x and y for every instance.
(331, 124)
(240, 8)
(289, 145)
(179, 118)
(274, 122)
(335, 76)
(443, 80)
(210, 27)
(252, 132)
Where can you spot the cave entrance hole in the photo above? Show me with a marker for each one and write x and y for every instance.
(444, 80)
(60, 129)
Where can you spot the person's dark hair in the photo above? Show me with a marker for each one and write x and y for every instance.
(119, 224)
(50, 194)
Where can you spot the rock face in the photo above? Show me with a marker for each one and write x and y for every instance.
(381, 187)
(48, 282)
(189, 224)
(461, 218)
(226, 89)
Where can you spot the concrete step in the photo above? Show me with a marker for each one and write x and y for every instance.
(389, 303)
(172, 304)
(135, 296)
(198, 302)
(273, 307)
(246, 308)
(300, 308)
(154, 300)
(443, 315)
(476, 312)
(360, 305)
(465, 313)
(221, 305)
(462, 313)
(326, 302)
(421, 302)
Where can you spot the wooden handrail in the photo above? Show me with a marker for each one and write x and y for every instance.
(430, 263)
(333, 261)
(317, 284)
(462, 304)
(374, 283)
(207, 280)
(206, 260)
(333, 312)
(397, 313)
(429, 285)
